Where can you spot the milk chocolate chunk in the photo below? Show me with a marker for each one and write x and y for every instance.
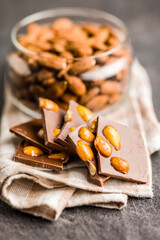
(129, 162)
(43, 160)
(74, 121)
(89, 157)
(29, 131)
(52, 120)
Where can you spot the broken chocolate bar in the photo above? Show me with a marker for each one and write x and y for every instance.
(52, 120)
(128, 160)
(29, 131)
(75, 138)
(38, 160)
(74, 120)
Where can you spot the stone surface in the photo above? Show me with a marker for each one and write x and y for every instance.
(141, 218)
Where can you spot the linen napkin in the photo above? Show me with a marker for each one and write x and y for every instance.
(46, 193)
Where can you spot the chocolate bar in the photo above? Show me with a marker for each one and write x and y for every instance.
(52, 120)
(43, 161)
(29, 131)
(74, 122)
(73, 138)
(130, 153)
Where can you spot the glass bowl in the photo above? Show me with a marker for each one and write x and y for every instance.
(88, 60)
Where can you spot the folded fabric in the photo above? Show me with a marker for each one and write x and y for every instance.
(46, 193)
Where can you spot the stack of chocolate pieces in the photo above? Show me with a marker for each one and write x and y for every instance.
(109, 150)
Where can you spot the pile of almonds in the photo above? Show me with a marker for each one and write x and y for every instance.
(63, 53)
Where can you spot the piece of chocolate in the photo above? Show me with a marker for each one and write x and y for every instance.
(52, 120)
(76, 121)
(132, 150)
(73, 138)
(42, 161)
(29, 131)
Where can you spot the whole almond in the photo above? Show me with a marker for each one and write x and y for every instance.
(62, 23)
(48, 82)
(84, 112)
(56, 90)
(82, 66)
(66, 97)
(110, 87)
(98, 102)
(102, 146)
(115, 98)
(86, 135)
(84, 151)
(90, 94)
(119, 164)
(44, 74)
(80, 49)
(60, 156)
(52, 61)
(48, 104)
(32, 151)
(112, 136)
(75, 85)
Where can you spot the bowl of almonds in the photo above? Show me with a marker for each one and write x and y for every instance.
(67, 54)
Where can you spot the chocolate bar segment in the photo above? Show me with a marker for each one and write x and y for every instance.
(42, 161)
(132, 150)
(29, 131)
(76, 121)
(73, 138)
(52, 120)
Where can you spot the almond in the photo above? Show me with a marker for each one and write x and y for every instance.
(84, 112)
(90, 94)
(72, 129)
(62, 24)
(56, 131)
(69, 116)
(51, 60)
(41, 133)
(32, 151)
(82, 66)
(98, 102)
(75, 85)
(92, 169)
(66, 97)
(84, 151)
(102, 146)
(93, 126)
(119, 164)
(60, 156)
(86, 135)
(48, 104)
(110, 87)
(56, 90)
(112, 136)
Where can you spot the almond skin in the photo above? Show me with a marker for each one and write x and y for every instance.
(32, 151)
(112, 136)
(84, 151)
(102, 146)
(110, 87)
(86, 135)
(119, 164)
(98, 102)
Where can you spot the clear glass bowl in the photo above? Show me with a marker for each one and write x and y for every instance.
(99, 81)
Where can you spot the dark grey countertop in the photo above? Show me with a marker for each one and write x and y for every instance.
(141, 218)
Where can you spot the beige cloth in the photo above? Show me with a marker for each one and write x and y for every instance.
(47, 193)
